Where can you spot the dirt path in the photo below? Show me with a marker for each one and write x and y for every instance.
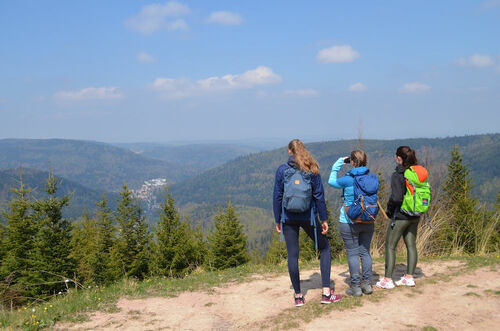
(468, 301)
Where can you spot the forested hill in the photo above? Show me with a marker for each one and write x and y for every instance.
(82, 198)
(92, 164)
(249, 180)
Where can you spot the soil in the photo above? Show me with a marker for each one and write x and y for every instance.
(469, 301)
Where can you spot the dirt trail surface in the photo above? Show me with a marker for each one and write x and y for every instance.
(468, 301)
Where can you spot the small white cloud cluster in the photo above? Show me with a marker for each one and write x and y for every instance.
(476, 60)
(357, 87)
(337, 54)
(225, 18)
(89, 93)
(184, 87)
(414, 87)
(159, 16)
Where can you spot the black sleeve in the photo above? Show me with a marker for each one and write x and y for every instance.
(398, 190)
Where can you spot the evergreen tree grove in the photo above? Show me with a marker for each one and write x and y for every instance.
(227, 242)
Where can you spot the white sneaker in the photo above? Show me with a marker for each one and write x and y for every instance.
(405, 281)
(386, 284)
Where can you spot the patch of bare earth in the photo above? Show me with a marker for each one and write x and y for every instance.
(246, 305)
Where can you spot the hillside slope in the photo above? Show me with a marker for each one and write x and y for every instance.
(82, 198)
(92, 164)
(249, 180)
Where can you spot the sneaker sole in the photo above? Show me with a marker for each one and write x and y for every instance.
(299, 305)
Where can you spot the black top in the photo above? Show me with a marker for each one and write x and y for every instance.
(398, 190)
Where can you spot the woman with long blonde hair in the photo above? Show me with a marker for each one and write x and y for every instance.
(301, 209)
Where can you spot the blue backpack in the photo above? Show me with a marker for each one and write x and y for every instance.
(365, 208)
(297, 196)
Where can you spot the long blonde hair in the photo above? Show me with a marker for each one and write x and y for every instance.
(303, 158)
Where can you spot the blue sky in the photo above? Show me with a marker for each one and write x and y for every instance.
(135, 71)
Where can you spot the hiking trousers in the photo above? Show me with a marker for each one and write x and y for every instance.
(396, 229)
(291, 234)
(357, 238)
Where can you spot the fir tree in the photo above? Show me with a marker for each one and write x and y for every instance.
(18, 242)
(51, 252)
(106, 236)
(85, 250)
(227, 241)
(174, 249)
(130, 252)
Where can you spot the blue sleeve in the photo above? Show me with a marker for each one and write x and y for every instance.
(278, 194)
(333, 181)
(319, 197)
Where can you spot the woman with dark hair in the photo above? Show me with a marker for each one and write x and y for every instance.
(289, 222)
(357, 237)
(401, 223)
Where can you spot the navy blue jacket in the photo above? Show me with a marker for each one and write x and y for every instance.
(318, 196)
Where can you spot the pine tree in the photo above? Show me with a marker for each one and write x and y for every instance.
(130, 252)
(333, 235)
(106, 236)
(18, 242)
(200, 246)
(85, 250)
(174, 249)
(459, 204)
(227, 241)
(52, 243)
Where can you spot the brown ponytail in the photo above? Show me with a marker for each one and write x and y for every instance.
(303, 158)
(407, 155)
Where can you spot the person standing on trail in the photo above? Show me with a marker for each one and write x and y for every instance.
(357, 237)
(298, 200)
(401, 223)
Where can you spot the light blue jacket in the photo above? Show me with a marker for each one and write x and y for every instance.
(347, 183)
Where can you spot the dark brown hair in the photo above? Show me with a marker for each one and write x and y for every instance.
(407, 155)
(359, 158)
(303, 158)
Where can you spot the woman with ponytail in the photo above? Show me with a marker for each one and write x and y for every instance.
(289, 223)
(401, 224)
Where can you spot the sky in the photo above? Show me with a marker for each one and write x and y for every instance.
(144, 71)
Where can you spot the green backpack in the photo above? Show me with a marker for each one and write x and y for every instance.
(417, 199)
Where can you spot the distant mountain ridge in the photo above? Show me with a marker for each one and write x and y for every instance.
(92, 164)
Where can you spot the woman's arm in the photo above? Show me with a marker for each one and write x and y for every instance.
(278, 194)
(398, 190)
(333, 181)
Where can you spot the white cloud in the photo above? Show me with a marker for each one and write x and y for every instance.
(476, 60)
(225, 18)
(184, 87)
(154, 17)
(337, 54)
(303, 93)
(89, 93)
(144, 57)
(414, 87)
(357, 87)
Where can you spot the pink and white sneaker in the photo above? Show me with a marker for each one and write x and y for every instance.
(385, 284)
(404, 281)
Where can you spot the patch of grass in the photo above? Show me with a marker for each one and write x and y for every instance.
(209, 304)
(471, 286)
(410, 295)
(471, 294)
(429, 328)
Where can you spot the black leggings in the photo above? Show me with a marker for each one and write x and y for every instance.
(291, 233)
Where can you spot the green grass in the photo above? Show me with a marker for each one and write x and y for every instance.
(429, 328)
(471, 294)
(75, 306)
